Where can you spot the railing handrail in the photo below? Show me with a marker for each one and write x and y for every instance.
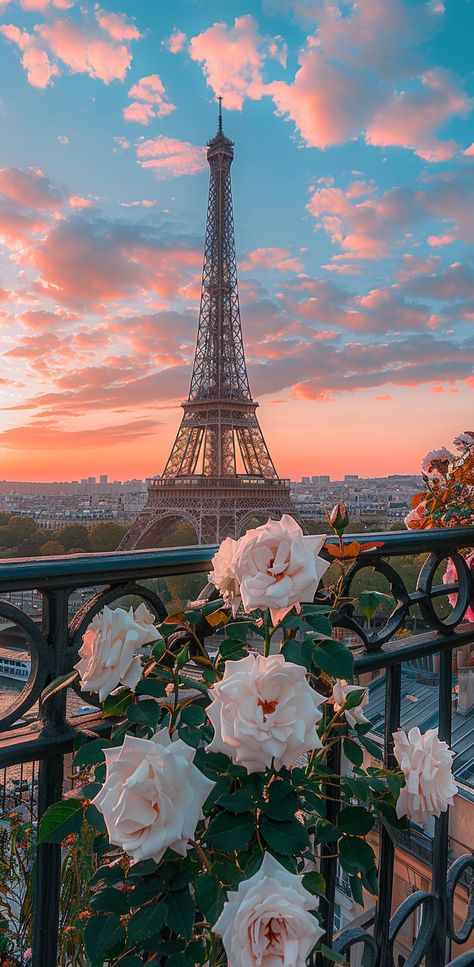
(79, 570)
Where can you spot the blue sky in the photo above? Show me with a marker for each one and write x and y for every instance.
(353, 191)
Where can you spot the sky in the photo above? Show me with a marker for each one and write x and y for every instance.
(353, 186)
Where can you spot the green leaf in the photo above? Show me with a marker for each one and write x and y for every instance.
(332, 955)
(371, 747)
(212, 606)
(282, 803)
(58, 684)
(147, 921)
(356, 889)
(147, 712)
(288, 837)
(238, 629)
(193, 715)
(107, 874)
(116, 705)
(61, 819)
(110, 900)
(129, 962)
(229, 831)
(92, 753)
(298, 652)
(180, 918)
(334, 658)
(150, 686)
(210, 896)
(355, 855)
(354, 698)
(319, 623)
(353, 752)
(241, 801)
(232, 650)
(102, 934)
(315, 883)
(369, 601)
(355, 820)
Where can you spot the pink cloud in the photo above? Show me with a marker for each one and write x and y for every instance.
(117, 25)
(232, 60)
(469, 152)
(50, 435)
(171, 158)
(439, 241)
(30, 188)
(39, 69)
(409, 118)
(84, 52)
(415, 265)
(279, 259)
(148, 100)
(176, 41)
(76, 201)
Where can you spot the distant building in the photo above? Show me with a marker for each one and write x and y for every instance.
(306, 480)
(103, 479)
(348, 477)
(321, 478)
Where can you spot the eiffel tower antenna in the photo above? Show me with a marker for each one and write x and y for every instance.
(219, 476)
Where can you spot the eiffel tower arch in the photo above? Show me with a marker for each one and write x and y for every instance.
(219, 476)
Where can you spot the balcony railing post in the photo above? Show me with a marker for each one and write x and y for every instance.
(387, 850)
(328, 858)
(50, 790)
(440, 947)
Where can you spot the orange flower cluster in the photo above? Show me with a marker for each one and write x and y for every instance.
(448, 500)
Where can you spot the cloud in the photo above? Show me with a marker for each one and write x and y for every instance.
(50, 435)
(76, 201)
(29, 188)
(414, 265)
(278, 259)
(99, 49)
(148, 100)
(121, 144)
(93, 261)
(454, 283)
(409, 118)
(232, 59)
(171, 158)
(117, 25)
(176, 41)
(369, 229)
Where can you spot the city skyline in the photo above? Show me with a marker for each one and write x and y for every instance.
(352, 192)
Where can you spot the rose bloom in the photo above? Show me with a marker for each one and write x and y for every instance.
(109, 649)
(436, 461)
(277, 567)
(340, 692)
(450, 576)
(223, 573)
(152, 797)
(426, 764)
(266, 921)
(414, 520)
(264, 712)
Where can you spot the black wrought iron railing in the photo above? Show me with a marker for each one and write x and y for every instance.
(53, 645)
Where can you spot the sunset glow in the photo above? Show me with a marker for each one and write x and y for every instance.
(353, 186)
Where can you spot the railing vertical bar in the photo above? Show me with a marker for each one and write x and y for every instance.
(328, 859)
(440, 948)
(50, 789)
(393, 688)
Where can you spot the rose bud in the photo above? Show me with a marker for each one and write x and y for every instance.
(339, 518)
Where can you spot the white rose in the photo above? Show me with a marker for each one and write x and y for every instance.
(223, 573)
(266, 921)
(277, 567)
(152, 797)
(263, 712)
(426, 764)
(109, 649)
(436, 461)
(340, 692)
(414, 520)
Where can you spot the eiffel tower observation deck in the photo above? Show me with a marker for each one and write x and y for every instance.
(219, 476)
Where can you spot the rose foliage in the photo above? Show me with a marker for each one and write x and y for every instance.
(210, 797)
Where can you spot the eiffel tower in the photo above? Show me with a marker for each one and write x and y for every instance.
(219, 476)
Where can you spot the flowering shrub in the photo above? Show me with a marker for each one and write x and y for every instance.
(209, 798)
(448, 500)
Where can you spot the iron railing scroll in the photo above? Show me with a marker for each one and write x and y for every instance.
(54, 645)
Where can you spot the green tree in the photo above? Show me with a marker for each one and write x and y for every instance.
(51, 548)
(74, 535)
(22, 527)
(4, 518)
(106, 536)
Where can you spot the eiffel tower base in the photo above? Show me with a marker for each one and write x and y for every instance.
(214, 507)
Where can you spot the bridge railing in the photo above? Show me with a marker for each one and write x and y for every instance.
(54, 644)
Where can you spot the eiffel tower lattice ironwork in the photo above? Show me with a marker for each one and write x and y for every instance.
(219, 475)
